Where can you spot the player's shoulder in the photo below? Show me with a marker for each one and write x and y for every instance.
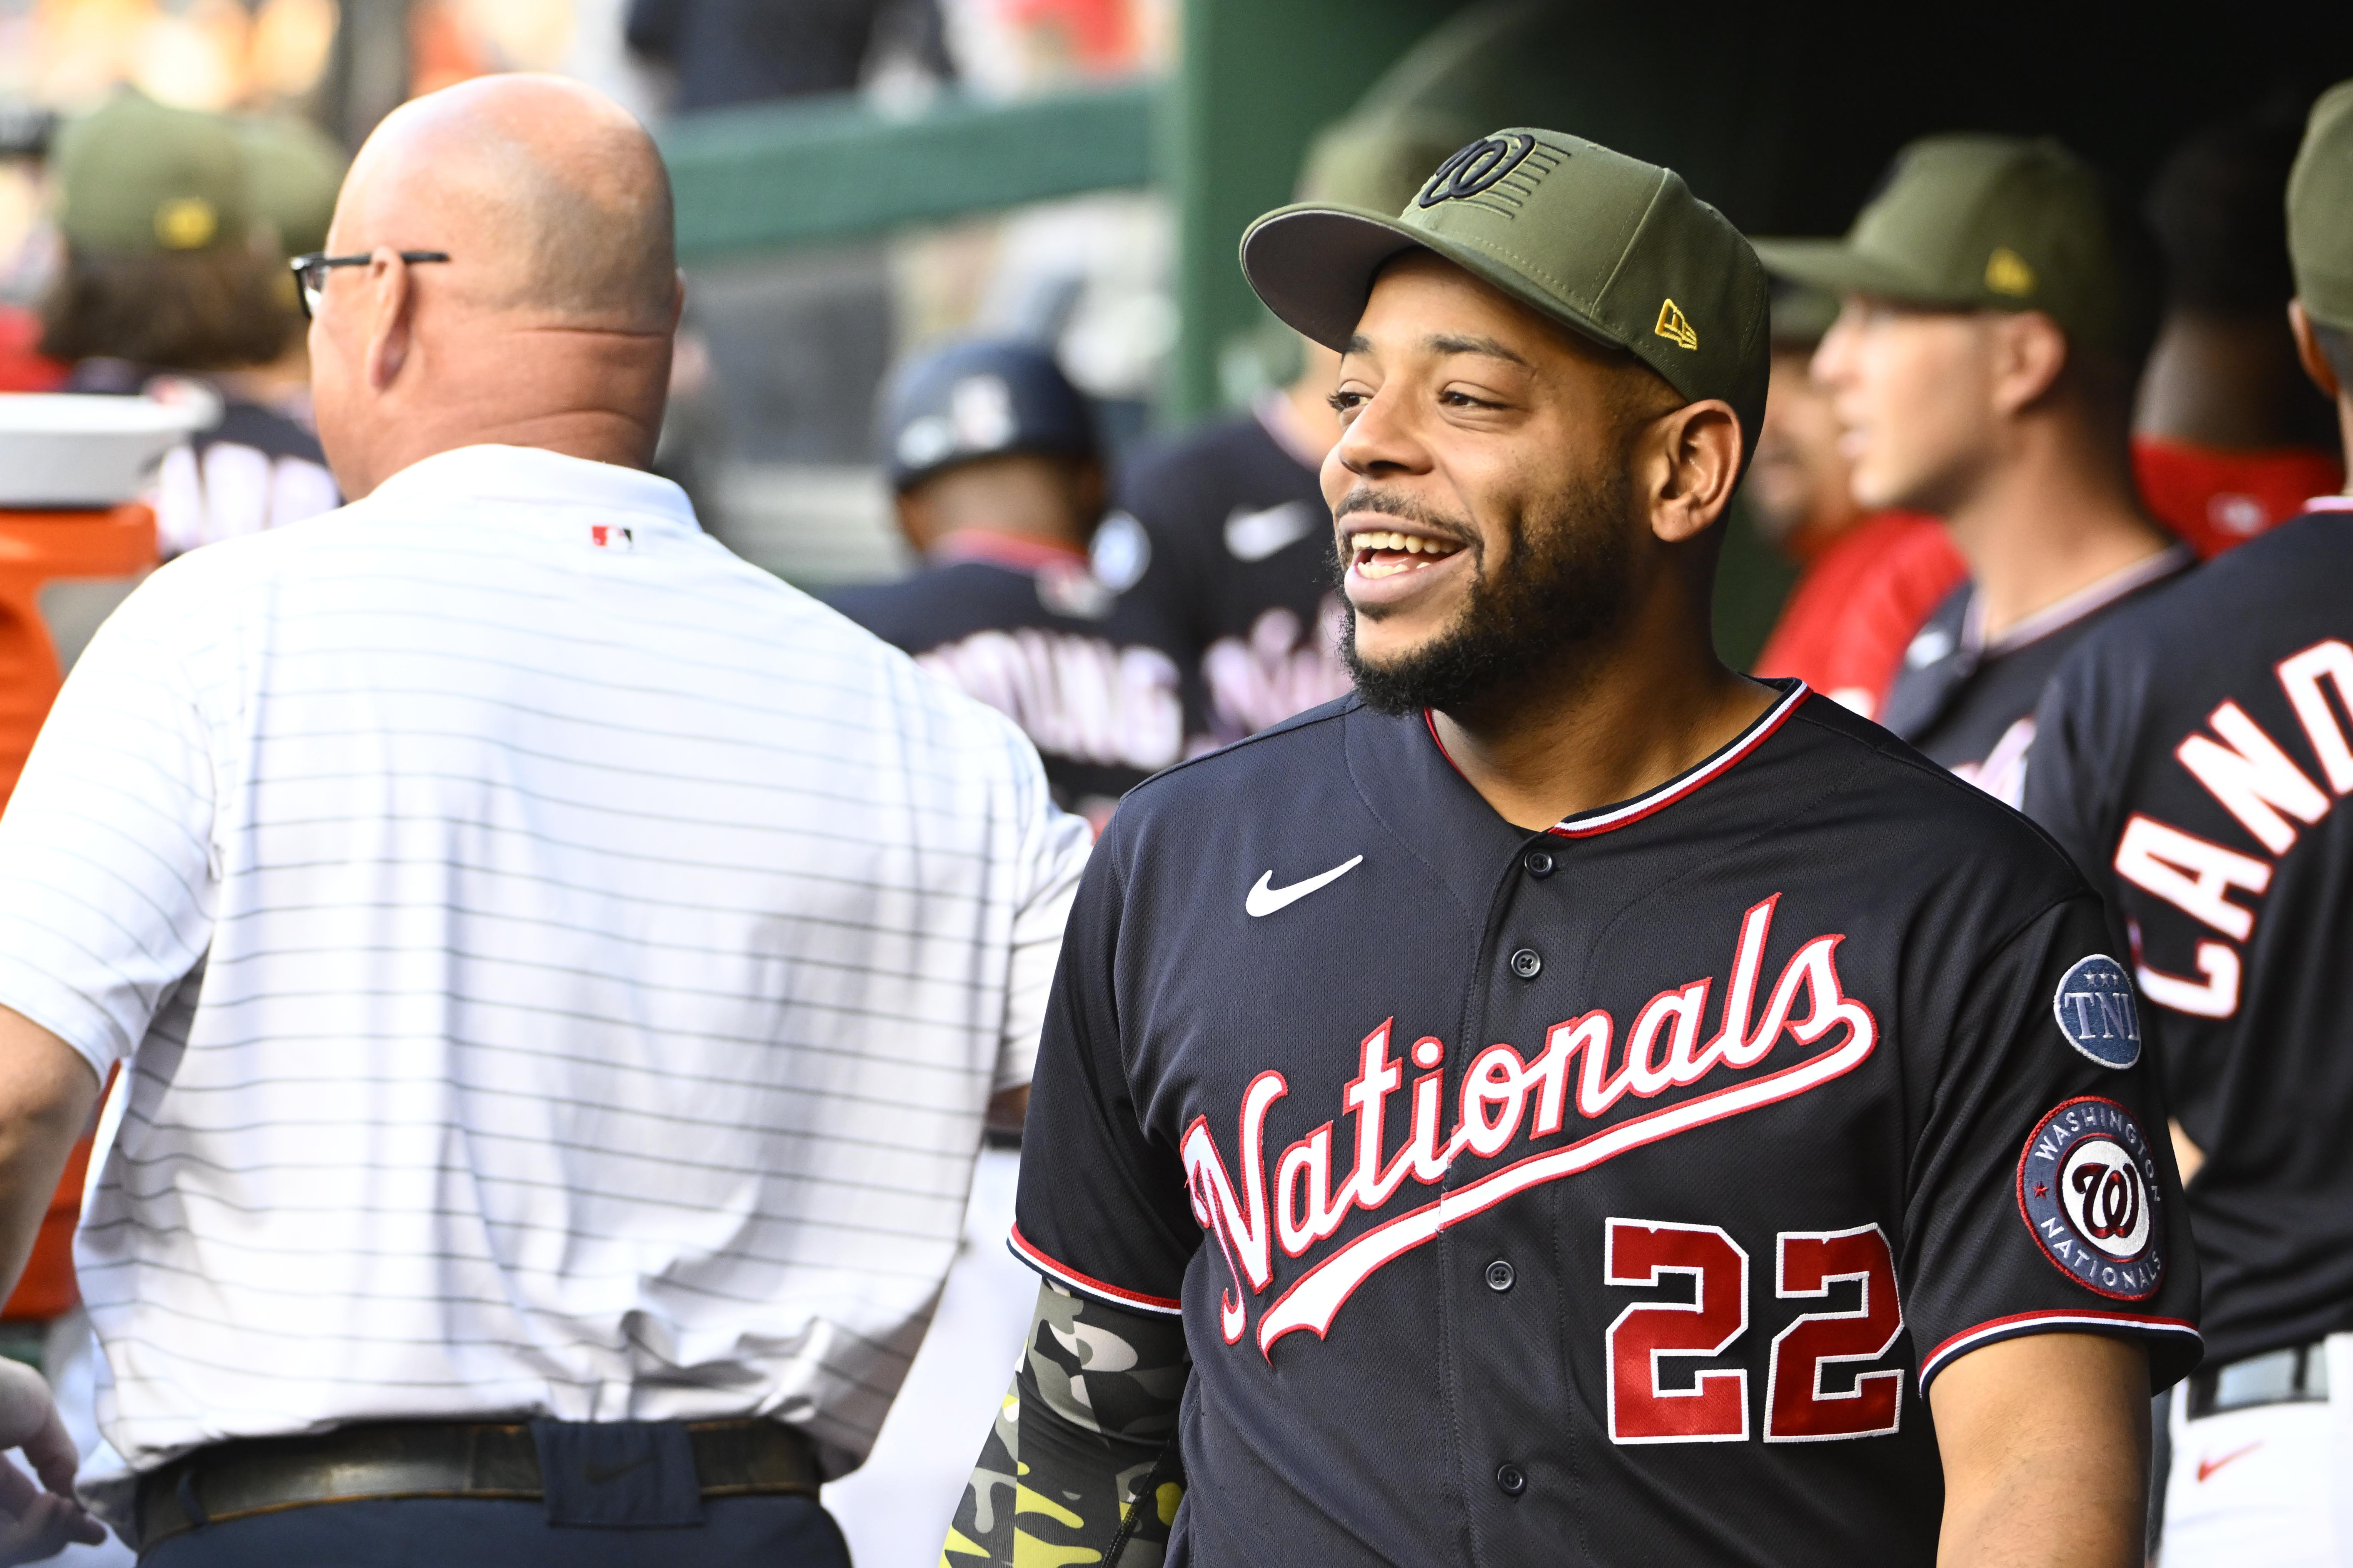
(1275, 758)
(2284, 578)
(2304, 559)
(1864, 783)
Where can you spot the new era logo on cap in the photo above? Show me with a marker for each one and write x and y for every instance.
(2008, 273)
(1674, 327)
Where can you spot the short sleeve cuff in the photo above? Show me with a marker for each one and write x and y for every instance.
(2174, 1347)
(64, 1012)
(1086, 1284)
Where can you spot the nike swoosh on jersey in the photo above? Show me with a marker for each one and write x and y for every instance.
(2208, 1467)
(1264, 901)
(1253, 536)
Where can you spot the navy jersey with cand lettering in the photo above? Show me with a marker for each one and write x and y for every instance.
(2195, 756)
(1604, 1194)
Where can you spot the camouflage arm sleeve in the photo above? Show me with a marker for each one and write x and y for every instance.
(1081, 1466)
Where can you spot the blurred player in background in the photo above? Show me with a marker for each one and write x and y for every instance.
(1870, 578)
(1224, 532)
(1997, 313)
(2228, 438)
(1000, 484)
(175, 283)
(2194, 755)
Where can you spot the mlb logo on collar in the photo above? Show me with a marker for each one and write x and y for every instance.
(610, 536)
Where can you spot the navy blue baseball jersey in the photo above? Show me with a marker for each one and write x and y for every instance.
(2193, 757)
(1226, 534)
(1968, 700)
(1094, 681)
(1604, 1194)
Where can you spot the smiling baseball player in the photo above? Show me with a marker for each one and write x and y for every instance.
(1568, 1102)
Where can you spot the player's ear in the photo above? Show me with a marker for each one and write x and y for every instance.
(2030, 352)
(2308, 352)
(1697, 449)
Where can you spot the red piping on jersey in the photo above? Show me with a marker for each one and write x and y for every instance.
(1021, 1248)
(1016, 551)
(1667, 793)
(2021, 1324)
(1430, 720)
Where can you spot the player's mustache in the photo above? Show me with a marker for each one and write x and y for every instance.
(1364, 498)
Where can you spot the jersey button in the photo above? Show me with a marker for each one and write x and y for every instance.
(1510, 1479)
(1527, 962)
(1539, 862)
(1499, 1276)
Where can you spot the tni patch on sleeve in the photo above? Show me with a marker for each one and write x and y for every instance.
(2095, 1008)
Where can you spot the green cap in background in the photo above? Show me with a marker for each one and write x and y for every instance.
(294, 173)
(2002, 222)
(137, 178)
(1802, 316)
(1379, 161)
(1613, 248)
(2320, 211)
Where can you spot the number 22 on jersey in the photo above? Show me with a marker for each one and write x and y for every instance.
(1799, 1408)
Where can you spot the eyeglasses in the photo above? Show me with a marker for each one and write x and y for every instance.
(311, 273)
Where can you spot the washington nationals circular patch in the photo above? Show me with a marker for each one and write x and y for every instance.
(2095, 1008)
(2087, 1187)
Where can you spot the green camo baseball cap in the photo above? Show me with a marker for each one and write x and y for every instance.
(2320, 211)
(137, 178)
(1613, 248)
(1975, 222)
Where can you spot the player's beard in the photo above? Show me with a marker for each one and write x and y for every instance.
(1566, 587)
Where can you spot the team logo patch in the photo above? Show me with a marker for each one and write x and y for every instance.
(1475, 168)
(2087, 1187)
(2095, 1008)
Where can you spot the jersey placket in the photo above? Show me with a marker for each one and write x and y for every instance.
(1499, 1271)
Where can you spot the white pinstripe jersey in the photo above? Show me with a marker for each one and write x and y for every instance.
(556, 967)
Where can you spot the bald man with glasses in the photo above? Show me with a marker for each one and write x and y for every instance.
(558, 972)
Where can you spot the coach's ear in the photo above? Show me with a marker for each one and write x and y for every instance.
(2308, 351)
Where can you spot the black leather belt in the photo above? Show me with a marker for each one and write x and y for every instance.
(2296, 1374)
(431, 1459)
